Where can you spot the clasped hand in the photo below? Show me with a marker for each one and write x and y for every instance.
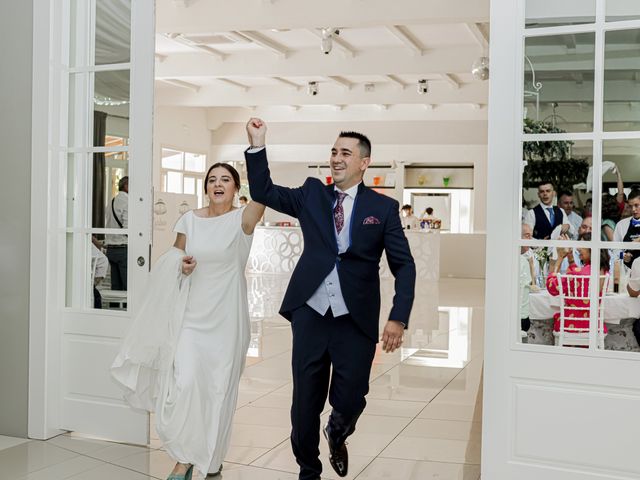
(188, 265)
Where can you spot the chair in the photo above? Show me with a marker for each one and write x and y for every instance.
(574, 303)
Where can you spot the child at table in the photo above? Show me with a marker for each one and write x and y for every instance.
(579, 285)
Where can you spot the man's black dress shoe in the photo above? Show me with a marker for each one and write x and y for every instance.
(338, 455)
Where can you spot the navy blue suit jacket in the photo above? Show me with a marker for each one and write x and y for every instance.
(312, 205)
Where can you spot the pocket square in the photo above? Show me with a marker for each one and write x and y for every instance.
(371, 221)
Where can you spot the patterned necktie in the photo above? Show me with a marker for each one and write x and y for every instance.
(338, 211)
(635, 222)
(552, 216)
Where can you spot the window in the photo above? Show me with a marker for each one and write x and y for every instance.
(183, 172)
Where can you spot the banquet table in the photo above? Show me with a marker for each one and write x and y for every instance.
(620, 311)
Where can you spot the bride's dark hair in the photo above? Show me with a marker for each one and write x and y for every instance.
(234, 174)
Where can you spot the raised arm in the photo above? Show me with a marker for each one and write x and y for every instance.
(282, 199)
(251, 216)
(620, 182)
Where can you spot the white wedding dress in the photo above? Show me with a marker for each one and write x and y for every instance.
(186, 350)
(195, 423)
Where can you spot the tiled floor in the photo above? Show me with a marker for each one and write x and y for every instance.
(423, 419)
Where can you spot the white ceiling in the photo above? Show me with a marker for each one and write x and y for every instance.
(263, 53)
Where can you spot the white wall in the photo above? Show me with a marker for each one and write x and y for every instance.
(16, 29)
(181, 128)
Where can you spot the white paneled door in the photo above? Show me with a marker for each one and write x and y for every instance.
(100, 210)
(563, 100)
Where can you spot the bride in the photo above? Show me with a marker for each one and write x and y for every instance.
(186, 348)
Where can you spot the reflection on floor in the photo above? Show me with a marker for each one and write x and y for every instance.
(423, 418)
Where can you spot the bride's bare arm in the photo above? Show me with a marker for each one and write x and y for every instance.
(251, 216)
(181, 241)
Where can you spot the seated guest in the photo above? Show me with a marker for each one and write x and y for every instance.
(565, 202)
(526, 278)
(547, 220)
(633, 287)
(585, 227)
(428, 214)
(243, 201)
(628, 229)
(580, 285)
(100, 264)
(409, 220)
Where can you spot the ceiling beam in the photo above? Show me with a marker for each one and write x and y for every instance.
(288, 83)
(452, 82)
(341, 81)
(338, 43)
(179, 38)
(180, 83)
(203, 16)
(233, 83)
(405, 37)
(478, 35)
(259, 39)
(397, 81)
(311, 63)
(385, 93)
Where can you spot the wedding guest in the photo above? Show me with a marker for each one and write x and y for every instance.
(565, 202)
(546, 219)
(409, 220)
(628, 229)
(579, 285)
(610, 217)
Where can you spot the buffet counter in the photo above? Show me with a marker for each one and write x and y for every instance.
(276, 250)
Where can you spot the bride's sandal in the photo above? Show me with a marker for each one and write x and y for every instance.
(186, 476)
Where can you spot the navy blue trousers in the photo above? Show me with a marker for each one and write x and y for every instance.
(320, 343)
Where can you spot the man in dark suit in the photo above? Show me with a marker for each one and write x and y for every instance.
(333, 298)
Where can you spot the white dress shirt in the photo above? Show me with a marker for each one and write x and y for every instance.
(121, 207)
(329, 293)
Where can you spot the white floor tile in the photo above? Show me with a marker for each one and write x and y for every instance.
(155, 463)
(8, 442)
(66, 469)
(110, 472)
(29, 457)
(388, 468)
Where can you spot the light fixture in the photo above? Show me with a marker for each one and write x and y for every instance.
(326, 42)
(480, 69)
(423, 86)
(108, 101)
(312, 88)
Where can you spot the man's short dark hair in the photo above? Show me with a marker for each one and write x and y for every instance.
(634, 194)
(545, 182)
(122, 183)
(363, 142)
(429, 210)
(243, 198)
(407, 207)
(565, 193)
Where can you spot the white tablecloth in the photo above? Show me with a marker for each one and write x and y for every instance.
(617, 306)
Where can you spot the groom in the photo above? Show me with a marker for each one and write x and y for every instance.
(333, 298)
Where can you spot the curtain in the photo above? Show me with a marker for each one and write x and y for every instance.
(98, 191)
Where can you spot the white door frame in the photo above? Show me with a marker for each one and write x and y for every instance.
(547, 410)
(47, 314)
